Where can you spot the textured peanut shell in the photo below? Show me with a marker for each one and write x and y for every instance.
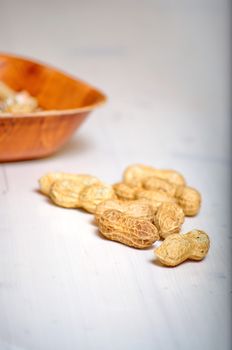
(65, 193)
(134, 175)
(128, 230)
(123, 191)
(47, 180)
(172, 176)
(190, 201)
(156, 198)
(169, 219)
(174, 250)
(177, 248)
(93, 195)
(155, 183)
(200, 244)
(139, 208)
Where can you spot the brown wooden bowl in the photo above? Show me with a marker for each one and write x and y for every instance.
(67, 102)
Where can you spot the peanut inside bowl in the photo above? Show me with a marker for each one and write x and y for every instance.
(16, 102)
(61, 104)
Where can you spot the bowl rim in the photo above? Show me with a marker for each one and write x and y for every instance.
(53, 113)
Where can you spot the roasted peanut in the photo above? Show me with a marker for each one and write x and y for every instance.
(92, 195)
(47, 180)
(169, 219)
(134, 175)
(190, 201)
(156, 198)
(65, 193)
(155, 183)
(139, 209)
(177, 248)
(172, 176)
(188, 198)
(124, 191)
(128, 230)
(200, 244)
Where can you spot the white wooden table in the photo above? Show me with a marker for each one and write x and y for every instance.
(165, 68)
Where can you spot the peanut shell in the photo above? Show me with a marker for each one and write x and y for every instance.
(177, 248)
(124, 192)
(190, 201)
(155, 183)
(128, 230)
(139, 208)
(200, 244)
(65, 193)
(156, 198)
(48, 179)
(93, 195)
(169, 219)
(134, 175)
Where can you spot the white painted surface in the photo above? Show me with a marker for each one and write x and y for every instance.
(165, 67)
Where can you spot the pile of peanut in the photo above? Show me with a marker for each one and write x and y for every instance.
(15, 102)
(148, 205)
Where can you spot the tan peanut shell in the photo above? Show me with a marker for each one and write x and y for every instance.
(65, 193)
(139, 209)
(190, 201)
(47, 180)
(200, 244)
(155, 183)
(172, 176)
(177, 248)
(124, 191)
(93, 195)
(169, 219)
(128, 230)
(134, 175)
(156, 198)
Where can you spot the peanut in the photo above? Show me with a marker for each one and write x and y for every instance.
(155, 183)
(92, 195)
(134, 175)
(128, 230)
(177, 248)
(47, 180)
(190, 201)
(172, 176)
(200, 244)
(169, 219)
(139, 209)
(156, 198)
(65, 193)
(124, 191)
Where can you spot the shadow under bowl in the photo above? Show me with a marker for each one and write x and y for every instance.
(66, 102)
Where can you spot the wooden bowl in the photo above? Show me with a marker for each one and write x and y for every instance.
(67, 102)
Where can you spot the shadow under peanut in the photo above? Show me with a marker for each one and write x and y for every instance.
(157, 263)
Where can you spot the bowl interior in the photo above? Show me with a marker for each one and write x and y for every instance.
(53, 89)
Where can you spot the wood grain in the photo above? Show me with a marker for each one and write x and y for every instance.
(66, 101)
